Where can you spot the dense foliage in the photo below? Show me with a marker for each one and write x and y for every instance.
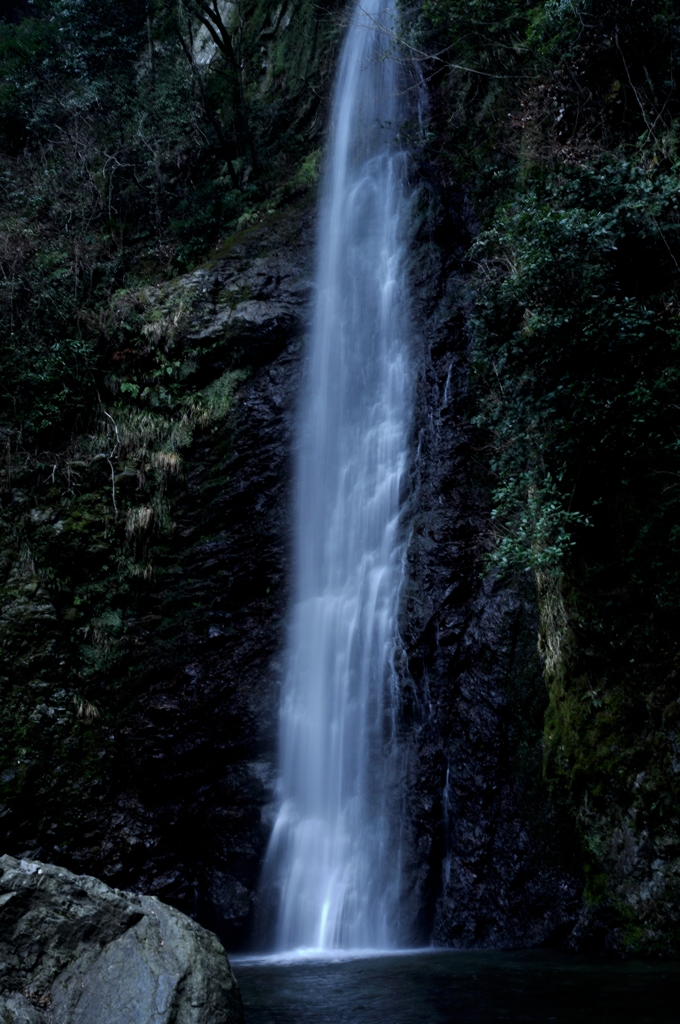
(561, 120)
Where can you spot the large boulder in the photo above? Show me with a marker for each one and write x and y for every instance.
(74, 951)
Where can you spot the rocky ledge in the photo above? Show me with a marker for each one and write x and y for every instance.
(74, 951)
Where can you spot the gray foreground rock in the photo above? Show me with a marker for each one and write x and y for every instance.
(74, 951)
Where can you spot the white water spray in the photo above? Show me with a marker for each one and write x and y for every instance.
(331, 865)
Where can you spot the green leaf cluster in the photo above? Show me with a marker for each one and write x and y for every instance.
(576, 335)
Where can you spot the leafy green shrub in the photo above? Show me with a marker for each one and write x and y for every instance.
(577, 338)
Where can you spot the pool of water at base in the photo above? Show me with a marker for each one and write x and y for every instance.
(444, 986)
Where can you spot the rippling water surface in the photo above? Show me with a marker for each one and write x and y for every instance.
(438, 987)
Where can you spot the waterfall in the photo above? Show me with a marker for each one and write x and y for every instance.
(332, 864)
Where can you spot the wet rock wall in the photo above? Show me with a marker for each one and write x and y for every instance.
(488, 863)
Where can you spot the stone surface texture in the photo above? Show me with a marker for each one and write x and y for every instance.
(74, 951)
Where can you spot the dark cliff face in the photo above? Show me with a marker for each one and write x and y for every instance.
(176, 803)
(146, 431)
(488, 864)
(197, 754)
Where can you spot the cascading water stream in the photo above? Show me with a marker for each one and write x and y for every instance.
(331, 865)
